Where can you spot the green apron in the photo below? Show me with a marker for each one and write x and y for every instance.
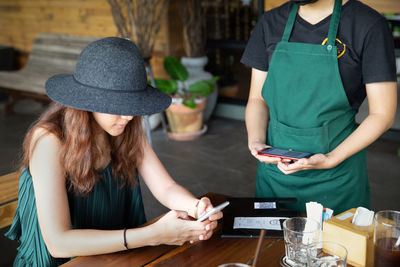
(309, 111)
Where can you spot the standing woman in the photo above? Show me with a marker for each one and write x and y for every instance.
(313, 62)
(79, 193)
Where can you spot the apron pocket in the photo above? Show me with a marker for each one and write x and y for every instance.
(313, 140)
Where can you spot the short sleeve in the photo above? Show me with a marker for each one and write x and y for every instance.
(378, 58)
(255, 54)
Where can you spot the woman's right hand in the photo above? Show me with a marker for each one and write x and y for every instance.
(176, 227)
(256, 147)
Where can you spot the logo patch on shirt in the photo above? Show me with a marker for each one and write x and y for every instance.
(341, 47)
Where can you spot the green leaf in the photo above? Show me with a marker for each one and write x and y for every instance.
(189, 103)
(175, 69)
(203, 88)
(166, 86)
(200, 88)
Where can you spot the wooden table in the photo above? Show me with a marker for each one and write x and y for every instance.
(8, 197)
(208, 253)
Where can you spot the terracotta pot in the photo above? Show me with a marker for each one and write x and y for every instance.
(187, 136)
(182, 119)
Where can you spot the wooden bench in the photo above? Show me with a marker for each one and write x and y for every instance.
(51, 54)
(8, 197)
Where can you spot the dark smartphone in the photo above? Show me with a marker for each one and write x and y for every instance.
(284, 153)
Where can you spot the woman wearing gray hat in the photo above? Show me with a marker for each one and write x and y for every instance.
(79, 193)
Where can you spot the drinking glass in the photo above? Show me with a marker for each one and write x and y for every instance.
(326, 254)
(386, 235)
(299, 232)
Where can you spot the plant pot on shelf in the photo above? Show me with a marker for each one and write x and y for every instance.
(185, 115)
(195, 67)
(185, 123)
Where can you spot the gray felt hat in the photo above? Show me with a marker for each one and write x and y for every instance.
(110, 77)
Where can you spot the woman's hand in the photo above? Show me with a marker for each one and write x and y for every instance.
(317, 161)
(176, 227)
(256, 147)
(203, 206)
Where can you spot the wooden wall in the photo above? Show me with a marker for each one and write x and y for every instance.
(22, 20)
(383, 6)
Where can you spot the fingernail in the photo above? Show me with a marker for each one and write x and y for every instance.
(208, 227)
(201, 237)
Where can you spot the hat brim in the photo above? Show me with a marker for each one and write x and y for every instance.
(63, 89)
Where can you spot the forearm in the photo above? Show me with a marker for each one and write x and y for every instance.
(257, 117)
(84, 242)
(176, 197)
(367, 132)
(382, 101)
(163, 187)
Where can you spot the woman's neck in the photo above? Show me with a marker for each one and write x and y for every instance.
(315, 12)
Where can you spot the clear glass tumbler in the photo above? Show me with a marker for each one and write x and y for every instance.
(299, 232)
(386, 238)
(325, 253)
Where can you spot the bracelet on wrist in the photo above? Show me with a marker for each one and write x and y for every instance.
(125, 243)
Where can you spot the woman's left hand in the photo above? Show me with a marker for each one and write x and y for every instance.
(317, 161)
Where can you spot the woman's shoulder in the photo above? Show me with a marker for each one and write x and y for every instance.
(43, 135)
(44, 142)
(45, 155)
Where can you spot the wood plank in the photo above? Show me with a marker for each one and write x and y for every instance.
(8, 197)
(218, 250)
(53, 3)
(270, 4)
(7, 213)
(22, 20)
(382, 6)
(9, 187)
(134, 257)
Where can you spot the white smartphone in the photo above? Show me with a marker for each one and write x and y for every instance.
(212, 211)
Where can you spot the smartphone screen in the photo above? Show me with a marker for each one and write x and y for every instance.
(284, 153)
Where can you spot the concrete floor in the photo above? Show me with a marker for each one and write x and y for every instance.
(218, 162)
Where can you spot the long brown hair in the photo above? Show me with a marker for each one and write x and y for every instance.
(79, 152)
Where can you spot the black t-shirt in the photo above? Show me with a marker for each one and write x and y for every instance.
(365, 45)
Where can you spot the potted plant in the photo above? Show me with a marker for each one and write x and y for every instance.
(185, 115)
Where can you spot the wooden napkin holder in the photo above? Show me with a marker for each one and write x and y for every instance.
(358, 240)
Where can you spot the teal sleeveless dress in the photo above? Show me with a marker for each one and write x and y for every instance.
(107, 207)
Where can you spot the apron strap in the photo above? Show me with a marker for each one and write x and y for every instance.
(333, 26)
(289, 23)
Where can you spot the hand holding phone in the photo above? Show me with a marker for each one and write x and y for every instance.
(284, 153)
(212, 211)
